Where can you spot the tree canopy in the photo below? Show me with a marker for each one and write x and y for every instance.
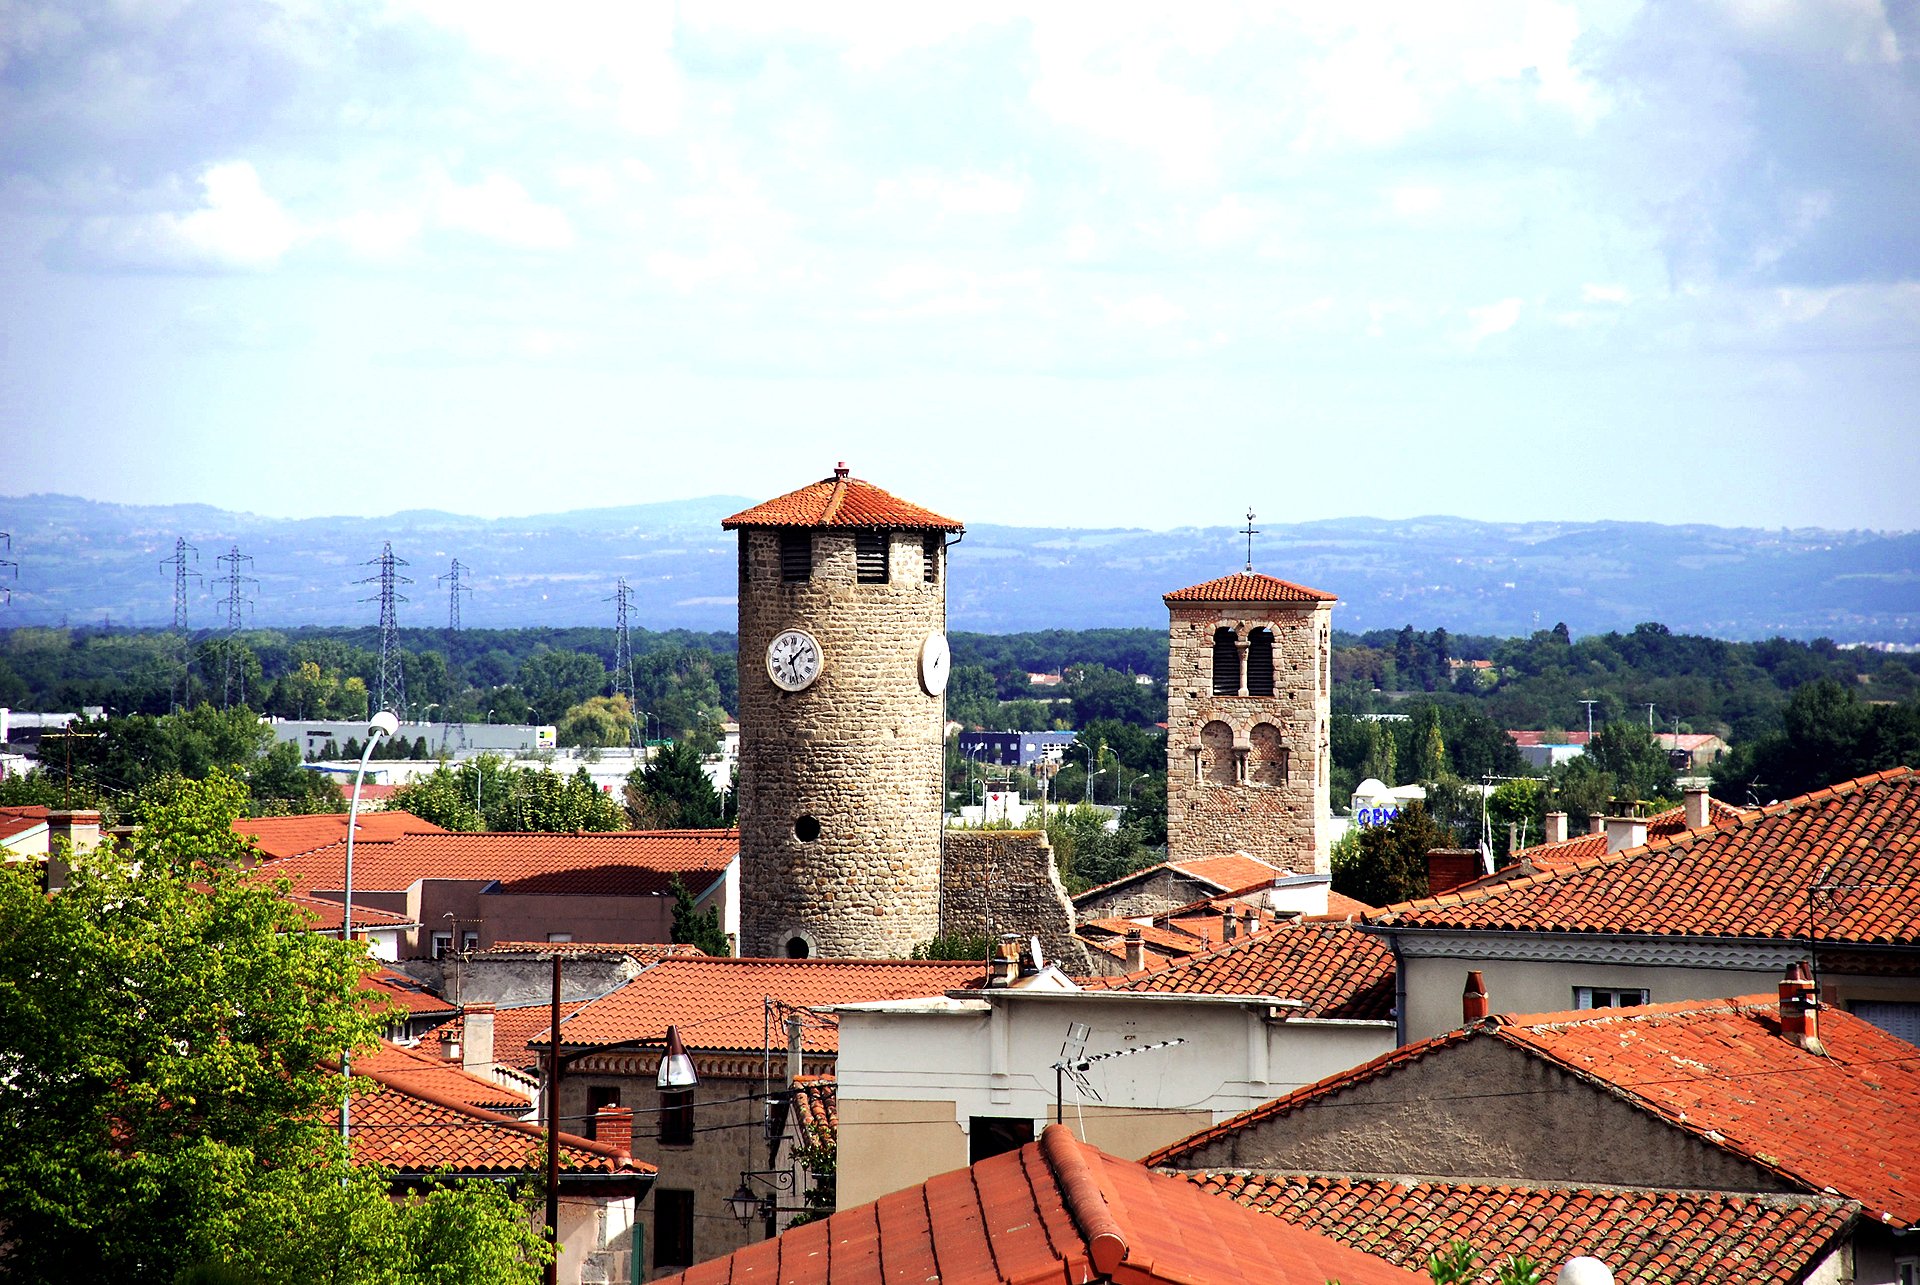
(170, 1038)
(673, 792)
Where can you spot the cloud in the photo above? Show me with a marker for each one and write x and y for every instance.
(1493, 319)
(499, 209)
(235, 227)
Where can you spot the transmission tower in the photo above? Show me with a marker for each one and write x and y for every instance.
(622, 644)
(184, 555)
(237, 598)
(6, 591)
(454, 590)
(393, 674)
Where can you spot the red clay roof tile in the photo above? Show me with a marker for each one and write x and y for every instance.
(1248, 586)
(1748, 877)
(416, 1071)
(292, 835)
(719, 1004)
(609, 863)
(1054, 1210)
(1647, 1237)
(1333, 968)
(403, 990)
(1847, 1122)
(841, 501)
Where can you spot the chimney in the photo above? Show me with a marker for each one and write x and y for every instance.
(1556, 827)
(1800, 1010)
(1229, 923)
(476, 1052)
(1596, 824)
(1137, 949)
(796, 1064)
(1448, 868)
(69, 834)
(1006, 961)
(1625, 832)
(1699, 808)
(1474, 1004)
(614, 1126)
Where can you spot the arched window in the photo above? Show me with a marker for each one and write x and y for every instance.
(1216, 754)
(1226, 662)
(1260, 663)
(1271, 759)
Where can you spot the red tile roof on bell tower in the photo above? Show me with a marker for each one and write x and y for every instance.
(845, 502)
(1248, 586)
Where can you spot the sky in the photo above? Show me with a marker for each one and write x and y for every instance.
(1046, 264)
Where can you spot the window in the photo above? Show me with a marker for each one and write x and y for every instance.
(559, 938)
(870, 556)
(1226, 662)
(470, 940)
(442, 945)
(1260, 663)
(930, 553)
(1218, 766)
(597, 1096)
(1272, 761)
(1897, 1018)
(672, 1228)
(992, 1135)
(676, 1117)
(1607, 996)
(796, 556)
(1907, 1271)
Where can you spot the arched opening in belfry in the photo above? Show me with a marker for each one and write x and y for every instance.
(1271, 760)
(1260, 663)
(1216, 754)
(1226, 662)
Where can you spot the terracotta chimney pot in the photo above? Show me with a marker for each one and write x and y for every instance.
(1474, 1004)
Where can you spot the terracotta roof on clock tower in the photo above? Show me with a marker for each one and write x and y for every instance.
(1248, 586)
(845, 502)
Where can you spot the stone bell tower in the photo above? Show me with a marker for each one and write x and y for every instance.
(1249, 676)
(843, 667)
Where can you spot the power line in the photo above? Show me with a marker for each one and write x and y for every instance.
(236, 599)
(393, 673)
(183, 683)
(454, 590)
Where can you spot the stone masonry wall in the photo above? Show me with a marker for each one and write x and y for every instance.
(859, 750)
(1005, 881)
(1279, 822)
(1156, 894)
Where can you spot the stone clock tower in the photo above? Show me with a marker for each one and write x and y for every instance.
(1249, 672)
(843, 663)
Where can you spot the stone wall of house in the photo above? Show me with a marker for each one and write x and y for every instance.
(1005, 881)
(1153, 894)
(1226, 788)
(1484, 1111)
(859, 751)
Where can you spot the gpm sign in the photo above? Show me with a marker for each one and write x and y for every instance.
(1375, 816)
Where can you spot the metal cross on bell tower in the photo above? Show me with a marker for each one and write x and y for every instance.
(1249, 530)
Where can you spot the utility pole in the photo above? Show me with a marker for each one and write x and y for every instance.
(181, 571)
(1649, 718)
(393, 673)
(622, 645)
(1589, 705)
(236, 599)
(454, 590)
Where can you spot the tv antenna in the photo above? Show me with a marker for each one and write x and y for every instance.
(1073, 1064)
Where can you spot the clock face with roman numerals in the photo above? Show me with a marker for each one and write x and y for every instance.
(793, 659)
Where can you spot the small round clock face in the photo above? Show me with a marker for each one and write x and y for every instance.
(793, 659)
(936, 662)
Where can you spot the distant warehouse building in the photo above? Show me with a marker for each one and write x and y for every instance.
(444, 740)
(1016, 749)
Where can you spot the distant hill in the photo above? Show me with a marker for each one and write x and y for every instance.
(82, 561)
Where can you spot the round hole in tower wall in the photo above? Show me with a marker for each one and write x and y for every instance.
(797, 948)
(806, 829)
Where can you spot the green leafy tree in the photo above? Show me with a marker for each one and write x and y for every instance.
(555, 681)
(531, 800)
(1826, 734)
(169, 1079)
(673, 792)
(598, 722)
(695, 927)
(1639, 765)
(1388, 863)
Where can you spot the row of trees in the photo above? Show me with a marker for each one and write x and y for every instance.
(671, 792)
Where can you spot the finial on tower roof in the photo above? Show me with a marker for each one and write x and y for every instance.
(841, 469)
(1249, 531)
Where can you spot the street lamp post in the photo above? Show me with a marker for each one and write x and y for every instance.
(383, 725)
